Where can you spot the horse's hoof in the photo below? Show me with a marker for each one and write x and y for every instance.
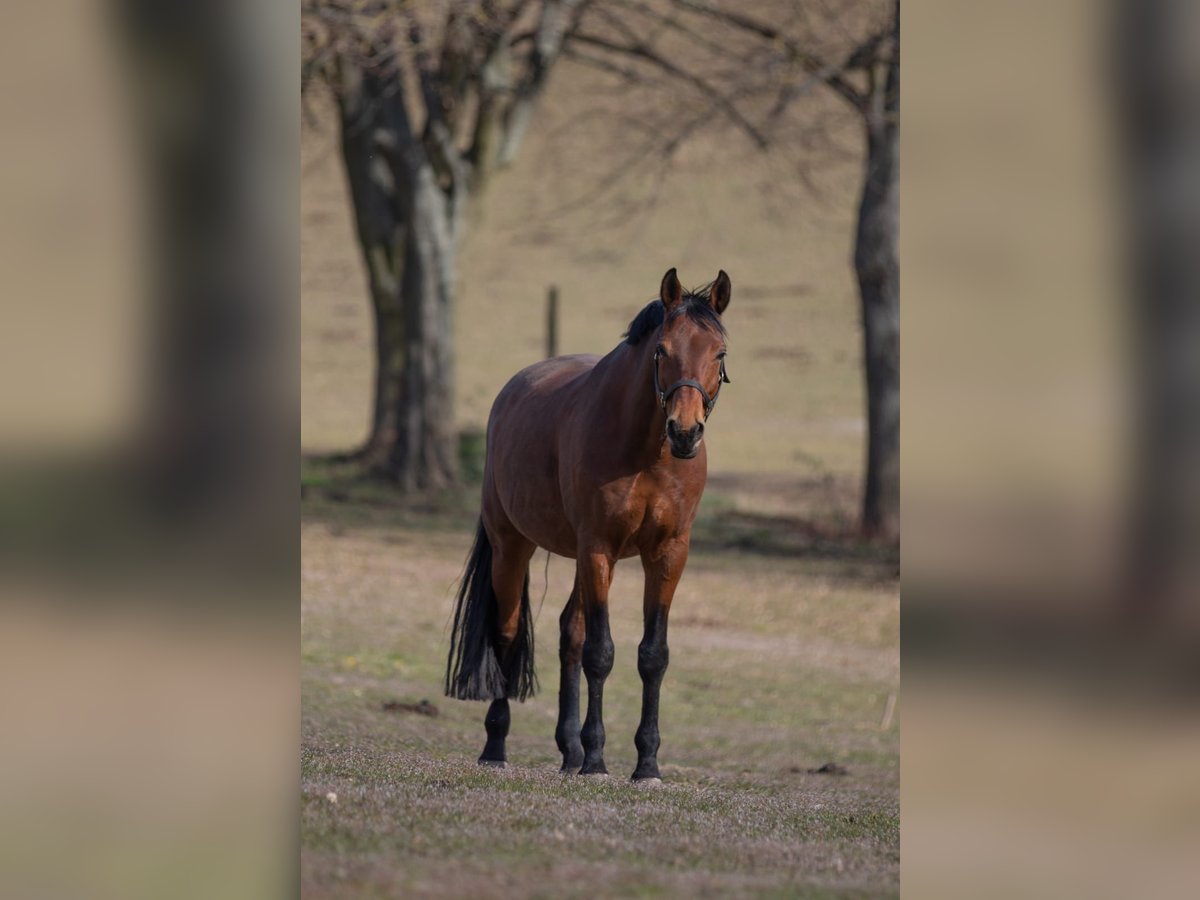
(494, 763)
(572, 771)
(647, 782)
(594, 774)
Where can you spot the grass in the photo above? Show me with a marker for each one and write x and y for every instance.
(779, 664)
(517, 829)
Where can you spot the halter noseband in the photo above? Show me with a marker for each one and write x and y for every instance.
(709, 402)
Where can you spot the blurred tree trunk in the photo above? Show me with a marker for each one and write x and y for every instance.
(407, 223)
(381, 229)
(877, 266)
(425, 452)
(1155, 83)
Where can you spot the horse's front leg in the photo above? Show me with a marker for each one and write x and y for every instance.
(594, 571)
(663, 566)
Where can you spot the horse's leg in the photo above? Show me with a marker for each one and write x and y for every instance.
(594, 575)
(510, 565)
(570, 655)
(663, 568)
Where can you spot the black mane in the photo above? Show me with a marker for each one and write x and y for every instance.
(695, 306)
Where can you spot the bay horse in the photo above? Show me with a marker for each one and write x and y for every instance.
(592, 459)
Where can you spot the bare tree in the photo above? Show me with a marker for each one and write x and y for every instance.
(431, 98)
(748, 65)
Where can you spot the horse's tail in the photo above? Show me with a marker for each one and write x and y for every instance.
(473, 671)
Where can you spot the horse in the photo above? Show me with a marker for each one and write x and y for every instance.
(592, 459)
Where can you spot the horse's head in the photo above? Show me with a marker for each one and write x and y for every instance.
(690, 359)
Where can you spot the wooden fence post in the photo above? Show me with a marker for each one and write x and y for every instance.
(552, 322)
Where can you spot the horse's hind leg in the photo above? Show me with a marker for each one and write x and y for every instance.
(570, 655)
(510, 581)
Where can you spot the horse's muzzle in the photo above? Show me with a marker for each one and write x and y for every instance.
(685, 443)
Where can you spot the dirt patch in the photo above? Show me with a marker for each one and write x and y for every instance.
(830, 768)
(422, 708)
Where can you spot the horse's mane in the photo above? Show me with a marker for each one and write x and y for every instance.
(695, 305)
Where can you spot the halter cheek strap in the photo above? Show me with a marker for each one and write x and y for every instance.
(709, 402)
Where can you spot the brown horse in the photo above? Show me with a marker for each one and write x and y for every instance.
(592, 459)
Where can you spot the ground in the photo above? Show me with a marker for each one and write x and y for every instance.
(781, 662)
(785, 629)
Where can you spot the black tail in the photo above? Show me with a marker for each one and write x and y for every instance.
(473, 671)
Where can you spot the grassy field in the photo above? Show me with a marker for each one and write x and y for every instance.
(779, 664)
(784, 632)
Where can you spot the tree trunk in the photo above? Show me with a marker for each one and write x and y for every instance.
(877, 266)
(1155, 84)
(425, 453)
(367, 123)
(389, 354)
(407, 227)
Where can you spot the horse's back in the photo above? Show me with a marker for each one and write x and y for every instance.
(543, 378)
(521, 478)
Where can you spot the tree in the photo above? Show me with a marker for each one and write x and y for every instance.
(427, 110)
(1153, 86)
(877, 265)
(852, 52)
(868, 80)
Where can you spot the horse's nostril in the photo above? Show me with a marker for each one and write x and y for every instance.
(690, 436)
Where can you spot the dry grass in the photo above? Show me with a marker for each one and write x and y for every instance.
(775, 669)
(785, 631)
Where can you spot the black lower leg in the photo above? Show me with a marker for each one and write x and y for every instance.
(652, 666)
(496, 722)
(597, 663)
(566, 734)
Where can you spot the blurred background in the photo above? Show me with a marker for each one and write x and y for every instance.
(150, 411)
(148, 429)
(1050, 458)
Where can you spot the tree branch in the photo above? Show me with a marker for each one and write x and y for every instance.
(830, 75)
(642, 52)
(627, 74)
(437, 140)
(557, 19)
(671, 23)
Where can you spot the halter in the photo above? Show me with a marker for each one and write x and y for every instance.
(709, 402)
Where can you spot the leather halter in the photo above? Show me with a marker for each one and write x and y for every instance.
(709, 402)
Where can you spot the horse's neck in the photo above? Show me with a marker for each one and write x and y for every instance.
(625, 410)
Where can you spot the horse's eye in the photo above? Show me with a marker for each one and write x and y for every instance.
(660, 350)
(721, 355)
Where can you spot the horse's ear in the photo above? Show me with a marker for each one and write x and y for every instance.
(718, 294)
(671, 292)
